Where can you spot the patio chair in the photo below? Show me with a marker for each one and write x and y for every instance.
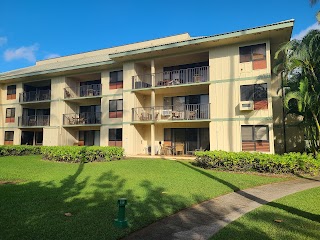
(179, 149)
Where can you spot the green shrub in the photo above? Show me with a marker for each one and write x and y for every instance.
(295, 163)
(19, 150)
(76, 154)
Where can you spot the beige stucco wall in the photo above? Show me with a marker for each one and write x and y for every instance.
(18, 112)
(227, 74)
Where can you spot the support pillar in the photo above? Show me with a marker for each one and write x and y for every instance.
(152, 139)
(152, 104)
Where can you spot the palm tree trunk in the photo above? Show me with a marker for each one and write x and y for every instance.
(318, 126)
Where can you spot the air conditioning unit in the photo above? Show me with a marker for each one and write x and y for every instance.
(246, 106)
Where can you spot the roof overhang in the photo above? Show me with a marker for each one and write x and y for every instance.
(277, 32)
(57, 71)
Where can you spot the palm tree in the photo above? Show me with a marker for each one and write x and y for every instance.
(299, 64)
(314, 2)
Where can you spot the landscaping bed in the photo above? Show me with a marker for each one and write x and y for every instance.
(290, 163)
(73, 154)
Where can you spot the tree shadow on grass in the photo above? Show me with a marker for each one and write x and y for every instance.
(261, 225)
(292, 210)
(36, 210)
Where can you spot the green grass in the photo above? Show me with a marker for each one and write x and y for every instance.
(299, 212)
(34, 207)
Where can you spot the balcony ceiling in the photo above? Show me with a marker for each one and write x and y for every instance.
(177, 90)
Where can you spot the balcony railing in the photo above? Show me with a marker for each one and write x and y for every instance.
(34, 120)
(34, 96)
(83, 91)
(142, 81)
(84, 118)
(172, 113)
(171, 78)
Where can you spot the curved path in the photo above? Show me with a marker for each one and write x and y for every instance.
(205, 219)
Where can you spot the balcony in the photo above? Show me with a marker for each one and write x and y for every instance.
(172, 113)
(172, 78)
(34, 121)
(84, 118)
(93, 90)
(35, 96)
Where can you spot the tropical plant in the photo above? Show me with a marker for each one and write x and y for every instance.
(299, 65)
(314, 2)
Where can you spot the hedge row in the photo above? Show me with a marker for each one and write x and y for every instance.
(81, 153)
(295, 163)
(65, 153)
(19, 150)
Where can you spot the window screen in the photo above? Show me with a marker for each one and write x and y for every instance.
(8, 136)
(247, 92)
(261, 133)
(247, 133)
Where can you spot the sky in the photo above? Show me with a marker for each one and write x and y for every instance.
(32, 30)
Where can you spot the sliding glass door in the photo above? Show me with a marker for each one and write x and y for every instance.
(190, 138)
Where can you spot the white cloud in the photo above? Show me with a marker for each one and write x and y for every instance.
(51, 55)
(27, 53)
(302, 33)
(3, 41)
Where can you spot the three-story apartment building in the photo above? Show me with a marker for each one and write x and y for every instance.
(172, 95)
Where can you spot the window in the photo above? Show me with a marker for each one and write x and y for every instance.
(10, 115)
(11, 92)
(115, 137)
(257, 93)
(115, 108)
(8, 137)
(116, 80)
(255, 54)
(255, 138)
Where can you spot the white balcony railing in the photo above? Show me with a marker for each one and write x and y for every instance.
(172, 113)
(171, 78)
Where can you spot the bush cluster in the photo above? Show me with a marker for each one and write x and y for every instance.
(295, 163)
(77, 154)
(19, 150)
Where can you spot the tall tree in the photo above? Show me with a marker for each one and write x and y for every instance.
(314, 2)
(299, 64)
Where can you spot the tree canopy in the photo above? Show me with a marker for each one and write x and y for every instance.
(299, 66)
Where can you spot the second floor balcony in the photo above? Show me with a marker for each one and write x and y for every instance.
(93, 90)
(172, 113)
(172, 78)
(35, 96)
(83, 118)
(34, 121)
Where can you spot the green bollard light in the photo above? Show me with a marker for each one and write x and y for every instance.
(121, 221)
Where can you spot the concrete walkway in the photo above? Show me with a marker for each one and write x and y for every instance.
(205, 219)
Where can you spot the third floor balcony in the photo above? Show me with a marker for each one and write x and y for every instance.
(35, 96)
(172, 78)
(86, 91)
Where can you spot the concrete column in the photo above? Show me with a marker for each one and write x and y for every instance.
(152, 139)
(153, 71)
(153, 103)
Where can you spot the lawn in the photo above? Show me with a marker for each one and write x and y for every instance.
(299, 216)
(33, 206)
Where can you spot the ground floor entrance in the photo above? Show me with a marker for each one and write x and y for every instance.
(31, 137)
(185, 141)
(89, 138)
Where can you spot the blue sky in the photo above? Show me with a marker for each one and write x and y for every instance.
(34, 30)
